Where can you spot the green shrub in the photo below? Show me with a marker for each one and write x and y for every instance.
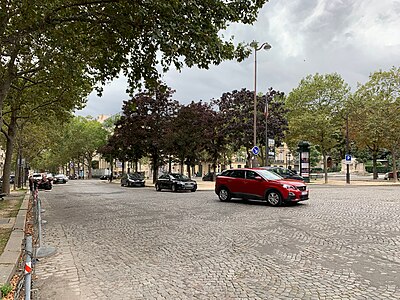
(6, 289)
(380, 169)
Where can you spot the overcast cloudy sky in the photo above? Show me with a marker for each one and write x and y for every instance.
(350, 37)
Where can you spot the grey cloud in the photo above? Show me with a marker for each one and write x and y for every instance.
(350, 37)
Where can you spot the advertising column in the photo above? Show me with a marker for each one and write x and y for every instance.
(304, 151)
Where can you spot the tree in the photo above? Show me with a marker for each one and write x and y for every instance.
(315, 112)
(40, 98)
(373, 115)
(186, 133)
(104, 37)
(149, 115)
(87, 135)
(237, 110)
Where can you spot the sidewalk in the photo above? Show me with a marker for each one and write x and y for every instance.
(9, 259)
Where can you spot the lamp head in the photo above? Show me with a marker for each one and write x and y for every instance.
(267, 46)
(253, 44)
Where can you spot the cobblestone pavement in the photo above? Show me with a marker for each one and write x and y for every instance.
(136, 243)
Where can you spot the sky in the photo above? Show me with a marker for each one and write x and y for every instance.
(353, 38)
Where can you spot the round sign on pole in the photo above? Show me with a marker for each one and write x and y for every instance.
(255, 150)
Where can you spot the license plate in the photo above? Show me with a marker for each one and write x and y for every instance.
(304, 193)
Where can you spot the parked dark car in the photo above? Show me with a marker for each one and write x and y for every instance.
(175, 182)
(389, 175)
(45, 183)
(285, 173)
(132, 179)
(73, 176)
(210, 176)
(60, 178)
(259, 184)
(12, 179)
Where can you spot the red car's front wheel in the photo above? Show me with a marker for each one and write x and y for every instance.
(274, 198)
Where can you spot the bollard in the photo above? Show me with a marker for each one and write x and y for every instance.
(28, 267)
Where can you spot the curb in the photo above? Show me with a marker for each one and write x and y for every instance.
(9, 259)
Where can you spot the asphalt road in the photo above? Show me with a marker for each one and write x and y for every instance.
(136, 243)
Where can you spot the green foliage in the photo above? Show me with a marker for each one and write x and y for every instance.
(379, 169)
(374, 111)
(316, 109)
(6, 289)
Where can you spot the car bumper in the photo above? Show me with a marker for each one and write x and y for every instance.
(186, 187)
(297, 196)
(136, 183)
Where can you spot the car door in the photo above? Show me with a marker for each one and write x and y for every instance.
(236, 182)
(254, 186)
(165, 181)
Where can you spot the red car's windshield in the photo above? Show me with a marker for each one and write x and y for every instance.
(269, 175)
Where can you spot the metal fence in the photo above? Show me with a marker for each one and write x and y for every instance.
(33, 247)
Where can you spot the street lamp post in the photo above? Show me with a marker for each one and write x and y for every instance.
(264, 46)
(266, 132)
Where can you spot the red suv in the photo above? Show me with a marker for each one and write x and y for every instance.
(259, 184)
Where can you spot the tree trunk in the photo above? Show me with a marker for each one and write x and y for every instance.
(394, 165)
(248, 158)
(325, 167)
(169, 164)
(374, 165)
(111, 170)
(181, 164)
(155, 167)
(90, 168)
(10, 136)
(188, 170)
(5, 84)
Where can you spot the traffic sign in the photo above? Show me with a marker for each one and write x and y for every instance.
(255, 150)
(348, 159)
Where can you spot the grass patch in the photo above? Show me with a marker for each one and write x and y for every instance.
(4, 236)
(10, 206)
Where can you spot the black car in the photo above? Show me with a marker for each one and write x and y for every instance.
(210, 176)
(133, 179)
(175, 182)
(285, 173)
(12, 179)
(44, 183)
(60, 178)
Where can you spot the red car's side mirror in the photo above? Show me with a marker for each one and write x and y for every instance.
(259, 178)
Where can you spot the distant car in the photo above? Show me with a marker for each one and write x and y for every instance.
(12, 179)
(45, 183)
(60, 178)
(37, 176)
(175, 182)
(73, 177)
(132, 179)
(389, 175)
(104, 177)
(259, 184)
(285, 173)
(210, 176)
